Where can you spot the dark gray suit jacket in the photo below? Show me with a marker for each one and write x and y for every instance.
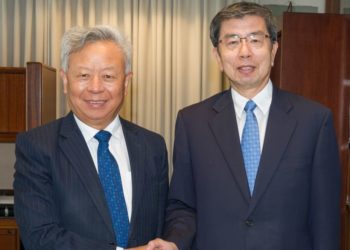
(59, 201)
(295, 205)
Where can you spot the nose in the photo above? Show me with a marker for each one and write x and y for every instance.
(244, 49)
(95, 84)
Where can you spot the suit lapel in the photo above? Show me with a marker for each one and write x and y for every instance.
(280, 127)
(225, 130)
(73, 145)
(137, 156)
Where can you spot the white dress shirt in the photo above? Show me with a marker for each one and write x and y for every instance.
(263, 102)
(117, 146)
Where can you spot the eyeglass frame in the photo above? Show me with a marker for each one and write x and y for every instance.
(246, 38)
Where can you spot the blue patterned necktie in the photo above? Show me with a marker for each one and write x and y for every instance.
(112, 185)
(251, 144)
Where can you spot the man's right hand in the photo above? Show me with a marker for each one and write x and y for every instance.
(159, 244)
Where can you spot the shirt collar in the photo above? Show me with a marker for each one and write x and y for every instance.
(262, 100)
(89, 132)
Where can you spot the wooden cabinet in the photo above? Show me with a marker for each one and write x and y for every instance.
(27, 98)
(314, 61)
(9, 236)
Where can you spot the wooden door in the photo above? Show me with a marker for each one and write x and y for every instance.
(12, 102)
(346, 84)
(313, 61)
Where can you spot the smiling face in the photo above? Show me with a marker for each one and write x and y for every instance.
(247, 68)
(95, 83)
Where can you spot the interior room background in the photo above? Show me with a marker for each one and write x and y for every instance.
(172, 62)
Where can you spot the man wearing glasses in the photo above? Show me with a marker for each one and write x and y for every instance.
(255, 167)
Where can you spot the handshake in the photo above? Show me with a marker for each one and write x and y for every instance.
(157, 244)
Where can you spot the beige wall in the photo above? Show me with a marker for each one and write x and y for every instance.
(7, 160)
(319, 4)
(345, 6)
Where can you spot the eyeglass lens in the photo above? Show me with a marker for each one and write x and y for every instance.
(254, 40)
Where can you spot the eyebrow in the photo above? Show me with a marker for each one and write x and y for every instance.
(81, 67)
(110, 68)
(251, 33)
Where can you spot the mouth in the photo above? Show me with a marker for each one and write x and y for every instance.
(246, 69)
(96, 103)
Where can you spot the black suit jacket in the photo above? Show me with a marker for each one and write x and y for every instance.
(295, 204)
(59, 201)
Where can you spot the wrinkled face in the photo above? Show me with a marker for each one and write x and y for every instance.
(247, 67)
(95, 83)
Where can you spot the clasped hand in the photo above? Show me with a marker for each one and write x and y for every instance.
(157, 244)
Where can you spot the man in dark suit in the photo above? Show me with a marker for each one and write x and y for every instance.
(62, 200)
(255, 167)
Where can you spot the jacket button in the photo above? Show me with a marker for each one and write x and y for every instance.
(249, 223)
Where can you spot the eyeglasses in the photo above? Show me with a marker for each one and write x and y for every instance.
(254, 40)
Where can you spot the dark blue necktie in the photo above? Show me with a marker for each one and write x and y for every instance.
(112, 185)
(251, 144)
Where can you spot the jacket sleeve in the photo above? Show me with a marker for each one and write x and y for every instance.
(325, 189)
(180, 225)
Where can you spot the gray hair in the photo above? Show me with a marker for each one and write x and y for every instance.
(76, 38)
(239, 10)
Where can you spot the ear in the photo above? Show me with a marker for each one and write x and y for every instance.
(126, 82)
(274, 52)
(217, 56)
(64, 80)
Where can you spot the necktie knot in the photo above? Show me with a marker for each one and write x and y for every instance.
(103, 136)
(250, 106)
